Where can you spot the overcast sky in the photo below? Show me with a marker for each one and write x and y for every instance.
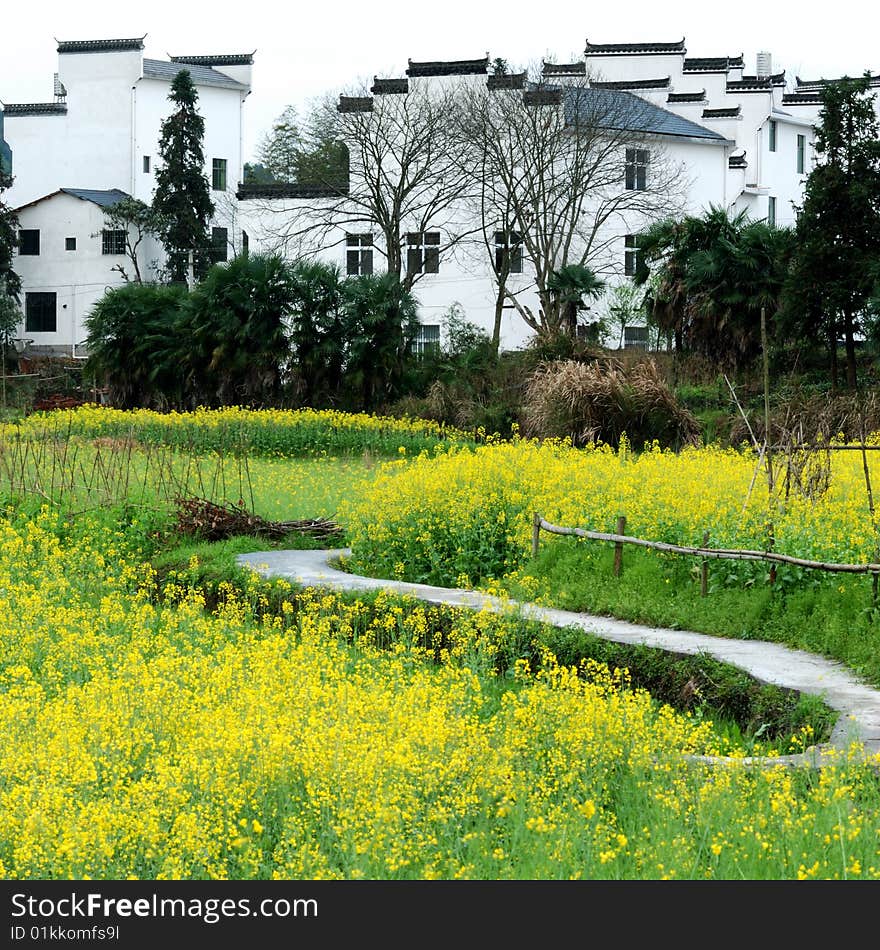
(302, 49)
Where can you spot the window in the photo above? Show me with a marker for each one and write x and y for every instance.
(801, 153)
(70, 244)
(771, 212)
(113, 242)
(358, 254)
(29, 241)
(637, 169)
(423, 252)
(39, 312)
(146, 164)
(219, 245)
(218, 174)
(508, 251)
(772, 135)
(632, 254)
(245, 242)
(427, 341)
(635, 338)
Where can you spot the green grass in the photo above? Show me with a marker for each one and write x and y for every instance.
(832, 617)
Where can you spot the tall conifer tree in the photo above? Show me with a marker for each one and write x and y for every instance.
(838, 225)
(182, 193)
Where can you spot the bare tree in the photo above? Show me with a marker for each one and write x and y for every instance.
(564, 166)
(138, 221)
(406, 183)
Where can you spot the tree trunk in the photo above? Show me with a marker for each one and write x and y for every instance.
(851, 377)
(499, 313)
(832, 356)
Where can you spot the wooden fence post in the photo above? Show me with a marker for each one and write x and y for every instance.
(536, 533)
(770, 543)
(618, 546)
(704, 568)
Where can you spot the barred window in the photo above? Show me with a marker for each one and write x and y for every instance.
(29, 241)
(635, 338)
(423, 252)
(113, 242)
(427, 340)
(358, 254)
(40, 312)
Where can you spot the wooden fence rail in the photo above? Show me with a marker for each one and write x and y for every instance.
(732, 554)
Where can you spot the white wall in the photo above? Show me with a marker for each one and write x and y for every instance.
(79, 278)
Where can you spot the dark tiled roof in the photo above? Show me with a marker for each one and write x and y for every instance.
(711, 64)
(594, 49)
(802, 98)
(732, 113)
(814, 85)
(35, 108)
(506, 81)
(737, 161)
(542, 97)
(632, 84)
(201, 75)
(287, 190)
(565, 69)
(106, 199)
(459, 67)
(756, 83)
(687, 96)
(100, 46)
(230, 59)
(355, 104)
(382, 86)
(624, 111)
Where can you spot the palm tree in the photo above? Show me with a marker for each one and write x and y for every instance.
(317, 331)
(569, 285)
(235, 325)
(381, 322)
(715, 273)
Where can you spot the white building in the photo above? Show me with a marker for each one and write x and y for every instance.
(99, 136)
(742, 143)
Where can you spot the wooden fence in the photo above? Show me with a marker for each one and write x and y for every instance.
(732, 554)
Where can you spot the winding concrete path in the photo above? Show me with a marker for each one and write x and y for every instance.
(857, 703)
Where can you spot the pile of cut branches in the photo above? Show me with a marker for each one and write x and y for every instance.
(204, 519)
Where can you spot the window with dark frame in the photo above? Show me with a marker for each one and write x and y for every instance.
(219, 245)
(427, 340)
(245, 242)
(358, 254)
(801, 153)
(771, 211)
(40, 309)
(635, 338)
(772, 135)
(218, 174)
(632, 254)
(637, 169)
(508, 250)
(113, 242)
(29, 241)
(423, 252)
(70, 244)
(146, 164)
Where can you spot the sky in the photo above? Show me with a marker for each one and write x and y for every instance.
(305, 49)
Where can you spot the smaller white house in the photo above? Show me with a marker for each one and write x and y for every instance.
(68, 256)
